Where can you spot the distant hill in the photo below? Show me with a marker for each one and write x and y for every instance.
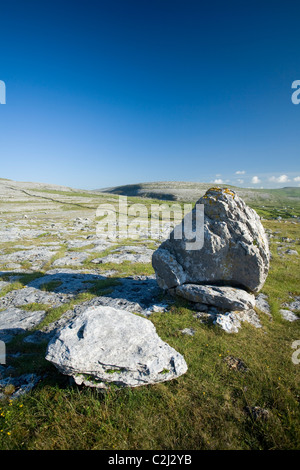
(186, 191)
(268, 202)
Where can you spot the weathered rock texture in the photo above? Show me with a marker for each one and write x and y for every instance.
(104, 345)
(235, 250)
(225, 297)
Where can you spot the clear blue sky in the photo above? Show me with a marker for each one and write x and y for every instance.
(103, 93)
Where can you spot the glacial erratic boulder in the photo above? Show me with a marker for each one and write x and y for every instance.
(104, 346)
(235, 250)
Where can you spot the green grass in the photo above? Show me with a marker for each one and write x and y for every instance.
(55, 313)
(206, 408)
(10, 287)
(51, 286)
(103, 286)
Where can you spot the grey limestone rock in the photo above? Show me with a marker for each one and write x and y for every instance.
(235, 250)
(104, 345)
(288, 315)
(224, 297)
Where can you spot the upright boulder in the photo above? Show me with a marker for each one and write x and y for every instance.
(235, 250)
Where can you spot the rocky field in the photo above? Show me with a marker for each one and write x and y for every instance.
(238, 385)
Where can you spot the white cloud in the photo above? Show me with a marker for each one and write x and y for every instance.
(218, 181)
(240, 172)
(255, 180)
(280, 179)
(297, 178)
(240, 181)
(283, 179)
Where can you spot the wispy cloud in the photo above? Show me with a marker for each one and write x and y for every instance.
(297, 179)
(255, 180)
(240, 172)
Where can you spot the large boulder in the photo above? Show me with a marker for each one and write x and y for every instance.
(235, 250)
(104, 345)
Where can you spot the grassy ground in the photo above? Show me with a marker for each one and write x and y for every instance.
(212, 406)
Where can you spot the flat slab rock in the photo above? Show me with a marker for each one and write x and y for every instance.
(71, 259)
(14, 321)
(224, 297)
(104, 346)
(29, 295)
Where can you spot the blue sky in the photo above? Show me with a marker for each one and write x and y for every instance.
(104, 93)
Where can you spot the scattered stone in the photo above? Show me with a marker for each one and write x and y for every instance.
(105, 345)
(71, 259)
(263, 305)
(295, 305)
(159, 308)
(224, 297)
(82, 222)
(78, 244)
(288, 315)
(231, 321)
(204, 317)
(291, 252)
(258, 413)
(235, 364)
(188, 331)
(140, 255)
(15, 387)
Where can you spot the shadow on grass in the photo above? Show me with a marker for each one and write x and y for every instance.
(58, 293)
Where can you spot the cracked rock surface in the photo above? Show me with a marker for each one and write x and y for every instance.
(104, 345)
(235, 250)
